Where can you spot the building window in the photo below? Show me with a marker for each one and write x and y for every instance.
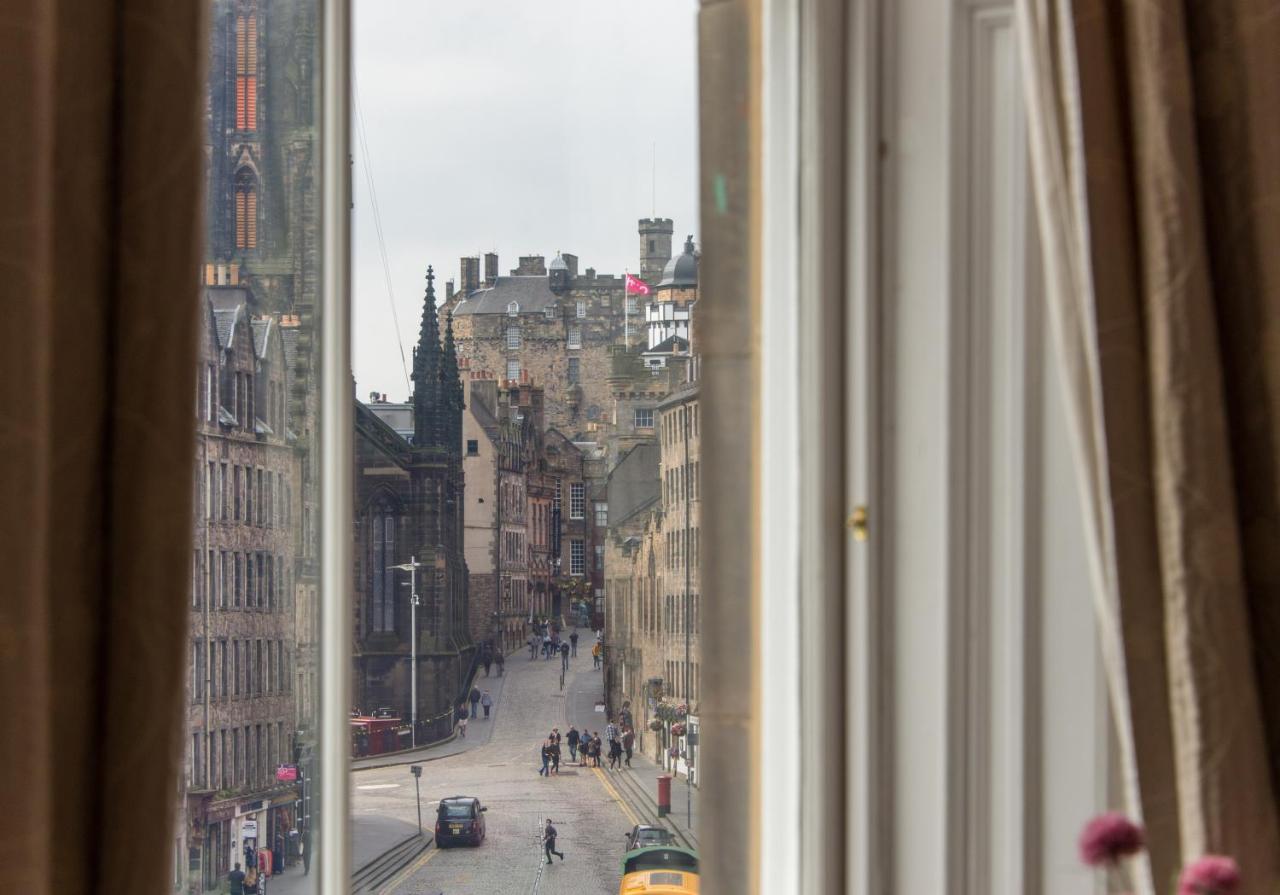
(599, 557)
(513, 369)
(473, 447)
(247, 72)
(577, 500)
(382, 554)
(246, 189)
(631, 304)
(577, 557)
(549, 312)
(602, 514)
(575, 337)
(582, 308)
(575, 370)
(513, 338)
(644, 418)
(513, 309)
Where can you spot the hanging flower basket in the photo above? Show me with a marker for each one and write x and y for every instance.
(666, 711)
(655, 725)
(682, 710)
(677, 729)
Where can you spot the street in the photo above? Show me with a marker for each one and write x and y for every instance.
(501, 769)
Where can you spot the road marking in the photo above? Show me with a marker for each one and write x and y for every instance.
(379, 786)
(626, 809)
(409, 871)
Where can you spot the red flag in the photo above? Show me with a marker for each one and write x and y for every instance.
(636, 286)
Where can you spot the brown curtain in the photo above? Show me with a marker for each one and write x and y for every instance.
(1156, 148)
(101, 104)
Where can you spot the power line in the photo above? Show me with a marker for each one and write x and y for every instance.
(377, 223)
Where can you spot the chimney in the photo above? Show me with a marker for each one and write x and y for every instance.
(572, 262)
(530, 266)
(235, 273)
(448, 290)
(490, 268)
(222, 274)
(210, 278)
(470, 275)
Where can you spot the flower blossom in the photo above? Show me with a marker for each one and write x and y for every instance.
(1210, 875)
(1108, 838)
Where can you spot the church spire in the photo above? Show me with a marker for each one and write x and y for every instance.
(426, 368)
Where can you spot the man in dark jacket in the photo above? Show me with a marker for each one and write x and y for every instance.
(549, 839)
(236, 878)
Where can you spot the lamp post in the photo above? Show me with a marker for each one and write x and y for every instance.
(412, 567)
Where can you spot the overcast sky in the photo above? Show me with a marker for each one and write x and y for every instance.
(515, 126)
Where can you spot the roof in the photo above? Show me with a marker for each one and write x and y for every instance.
(670, 345)
(688, 391)
(261, 331)
(682, 270)
(225, 320)
(558, 263)
(530, 293)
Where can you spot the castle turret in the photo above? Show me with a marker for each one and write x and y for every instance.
(655, 247)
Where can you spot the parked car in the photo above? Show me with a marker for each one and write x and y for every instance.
(460, 820)
(645, 835)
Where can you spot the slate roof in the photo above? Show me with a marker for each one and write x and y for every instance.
(228, 303)
(261, 331)
(533, 294)
(225, 321)
(670, 345)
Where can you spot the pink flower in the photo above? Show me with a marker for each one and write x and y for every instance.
(1108, 838)
(1209, 875)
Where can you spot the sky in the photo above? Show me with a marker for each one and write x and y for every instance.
(517, 126)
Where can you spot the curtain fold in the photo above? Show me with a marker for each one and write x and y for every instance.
(1154, 144)
(99, 244)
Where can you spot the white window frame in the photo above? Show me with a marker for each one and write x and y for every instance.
(513, 309)
(577, 557)
(513, 337)
(516, 361)
(580, 309)
(549, 312)
(601, 509)
(636, 418)
(577, 500)
(575, 337)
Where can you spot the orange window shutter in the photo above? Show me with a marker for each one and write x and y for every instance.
(240, 45)
(240, 220)
(251, 104)
(251, 61)
(251, 220)
(242, 112)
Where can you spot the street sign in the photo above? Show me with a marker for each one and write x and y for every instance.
(416, 770)
(287, 773)
(248, 829)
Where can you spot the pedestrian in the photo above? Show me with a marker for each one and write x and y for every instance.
(628, 743)
(475, 699)
(502, 662)
(533, 647)
(564, 656)
(573, 642)
(624, 716)
(615, 754)
(595, 655)
(306, 851)
(488, 660)
(595, 749)
(573, 743)
(545, 754)
(555, 735)
(555, 756)
(487, 701)
(251, 881)
(611, 730)
(236, 878)
(462, 724)
(546, 646)
(549, 839)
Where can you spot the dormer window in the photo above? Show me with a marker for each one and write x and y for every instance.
(513, 309)
(549, 312)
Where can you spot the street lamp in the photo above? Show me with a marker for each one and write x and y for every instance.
(412, 567)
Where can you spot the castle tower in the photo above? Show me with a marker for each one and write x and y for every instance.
(655, 247)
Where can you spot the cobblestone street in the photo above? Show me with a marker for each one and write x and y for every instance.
(501, 769)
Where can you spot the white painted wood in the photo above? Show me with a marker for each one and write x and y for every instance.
(976, 714)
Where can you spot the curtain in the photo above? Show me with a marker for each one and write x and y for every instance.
(1155, 146)
(101, 104)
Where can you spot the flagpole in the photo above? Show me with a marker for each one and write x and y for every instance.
(626, 308)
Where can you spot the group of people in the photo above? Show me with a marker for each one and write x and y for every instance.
(490, 655)
(586, 748)
(479, 699)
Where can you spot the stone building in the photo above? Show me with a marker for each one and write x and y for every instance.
(409, 502)
(242, 717)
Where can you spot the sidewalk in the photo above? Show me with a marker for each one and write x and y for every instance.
(637, 785)
(479, 730)
(370, 838)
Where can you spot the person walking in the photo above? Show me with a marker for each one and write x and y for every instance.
(487, 701)
(236, 879)
(502, 662)
(533, 647)
(549, 840)
(572, 739)
(555, 756)
(546, 759)
(595, 655)
(595, 749)
(462, 724)
(546, 646)
(573, 643)
(488, 660)
(475, 699)
(628, 742)
(564, 656)
(615, 755)
(306, 851)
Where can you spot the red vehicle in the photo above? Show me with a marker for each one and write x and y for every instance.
(374, 736)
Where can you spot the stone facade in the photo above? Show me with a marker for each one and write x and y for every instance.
(409, 501)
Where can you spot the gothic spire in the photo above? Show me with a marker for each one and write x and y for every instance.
(426, 368)
(449, 375)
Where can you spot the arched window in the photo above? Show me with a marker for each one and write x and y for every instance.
(246, 188)
(247, 70)
(382, 581)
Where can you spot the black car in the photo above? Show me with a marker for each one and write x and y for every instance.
(460, 820)
(645, 835)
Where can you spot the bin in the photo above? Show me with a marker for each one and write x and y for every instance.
(664, 795)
